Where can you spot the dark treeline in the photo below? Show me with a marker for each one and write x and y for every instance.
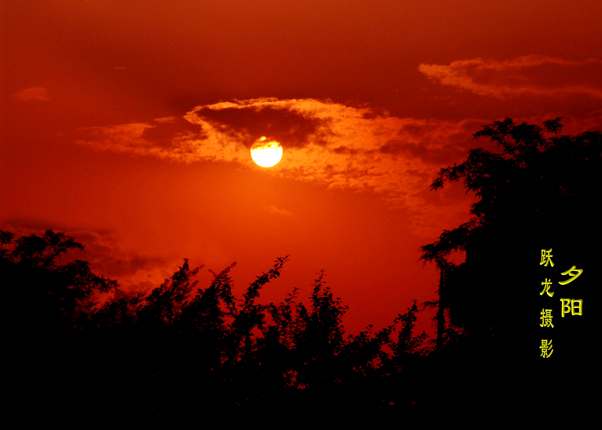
(185, 351)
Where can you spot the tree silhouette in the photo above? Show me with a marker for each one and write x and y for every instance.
(539, 191)
(56, 295)
(437, 253)
(46, 306)
(180, 351)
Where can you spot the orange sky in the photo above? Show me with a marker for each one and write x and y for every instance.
(127, 125)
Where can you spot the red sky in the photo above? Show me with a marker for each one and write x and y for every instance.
(127, 124)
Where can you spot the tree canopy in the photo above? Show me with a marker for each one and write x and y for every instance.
(540, 190)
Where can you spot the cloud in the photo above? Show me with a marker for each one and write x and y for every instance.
(338, 146)
(278, 211)
(171, 138)
(294, 121)
(530, 74)
(165, 119)
(32, 93)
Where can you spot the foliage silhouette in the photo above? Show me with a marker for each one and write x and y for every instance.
(182, 350)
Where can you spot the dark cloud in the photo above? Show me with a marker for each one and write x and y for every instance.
(166, 132)
(291, 128)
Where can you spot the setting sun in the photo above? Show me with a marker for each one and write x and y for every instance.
(266, 153)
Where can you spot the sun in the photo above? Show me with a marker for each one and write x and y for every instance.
(266, 153)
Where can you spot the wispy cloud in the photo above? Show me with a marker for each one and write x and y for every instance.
(32, 93)
(278, 211)
(530, 74)
(165, 119)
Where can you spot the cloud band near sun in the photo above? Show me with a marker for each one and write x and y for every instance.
(339, 146)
